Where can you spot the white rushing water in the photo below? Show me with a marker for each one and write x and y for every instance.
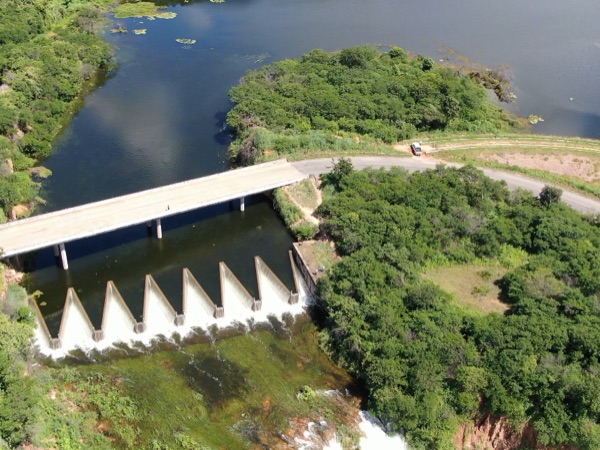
(118, 322)
(373, 436)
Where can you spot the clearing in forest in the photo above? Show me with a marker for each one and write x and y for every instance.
(474, 286)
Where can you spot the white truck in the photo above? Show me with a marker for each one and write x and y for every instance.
(416, 148)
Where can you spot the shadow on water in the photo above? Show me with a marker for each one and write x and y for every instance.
(224, 135)
(193, 241)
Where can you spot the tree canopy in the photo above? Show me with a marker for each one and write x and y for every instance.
(48, 51)
(388, 97)
(430, 365)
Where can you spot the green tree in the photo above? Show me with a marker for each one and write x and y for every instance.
(341, 169)
(549, 196)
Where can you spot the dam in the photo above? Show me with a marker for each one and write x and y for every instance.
(161, 319)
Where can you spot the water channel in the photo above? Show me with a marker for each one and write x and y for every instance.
(159, 118)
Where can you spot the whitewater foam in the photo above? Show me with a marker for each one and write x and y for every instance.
(119, 327)
(373, 436)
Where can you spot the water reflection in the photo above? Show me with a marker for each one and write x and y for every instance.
(187, 242)
(159, 118)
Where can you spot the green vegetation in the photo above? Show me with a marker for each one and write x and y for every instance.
(305, 230)
(429, 364)
(305, 194)
(264, 145)
(142, 9)
(233, 393)
(49, 50)
(290, 213)
(293, 216)
(307, 105)
(224, 392)
(474, 286)
(18, 393)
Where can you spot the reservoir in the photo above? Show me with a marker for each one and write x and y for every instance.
(159, 118)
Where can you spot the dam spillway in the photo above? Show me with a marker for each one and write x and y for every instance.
(159, 318)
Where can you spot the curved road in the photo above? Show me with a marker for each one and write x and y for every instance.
(513, 181)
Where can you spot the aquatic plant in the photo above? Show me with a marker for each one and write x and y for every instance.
(257, 58)
(140, 31)
(217, 1)
(166, 15)
(186, 41)
(142, 9)
(533, 119)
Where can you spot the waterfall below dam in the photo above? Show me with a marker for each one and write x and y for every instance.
(159, 318)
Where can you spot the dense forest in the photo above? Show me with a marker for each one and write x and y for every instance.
(314, 102)
(430, 365)
(49, 50)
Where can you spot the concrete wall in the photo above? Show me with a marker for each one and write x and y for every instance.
(198, 307)
(159, 316)
(75, 326)
(270, 287)
(309, 279)
(234, 296)
(118, 323)
(43, 337)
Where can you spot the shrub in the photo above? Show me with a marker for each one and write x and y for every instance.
(358, 56)
(305, 230)
(289, 212)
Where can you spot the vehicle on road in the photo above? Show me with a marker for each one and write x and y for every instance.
(416, 148)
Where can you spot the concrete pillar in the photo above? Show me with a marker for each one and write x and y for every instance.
(242, 204)
(15, 261)
(149, 224)
(158, 229)
(56, 251)
(63, 257)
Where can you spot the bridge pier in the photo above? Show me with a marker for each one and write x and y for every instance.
(83, 221)
(158, 229)
(63, 257)
(56, 251)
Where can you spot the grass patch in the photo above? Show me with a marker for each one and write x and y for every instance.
(141, 9)
(320, 256)
(305, 194)
(289, 212)
(473, 285)
(237, 392)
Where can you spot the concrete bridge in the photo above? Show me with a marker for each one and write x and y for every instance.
(67, 225)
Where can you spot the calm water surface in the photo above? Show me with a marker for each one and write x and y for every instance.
(160, 117)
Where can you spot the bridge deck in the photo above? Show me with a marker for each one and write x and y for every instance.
(119, 212)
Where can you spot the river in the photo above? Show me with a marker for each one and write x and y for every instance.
(160, 117)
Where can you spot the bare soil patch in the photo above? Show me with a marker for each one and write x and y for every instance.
(579, 159)
(576, 165)
(579, 166)
(405, 148)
